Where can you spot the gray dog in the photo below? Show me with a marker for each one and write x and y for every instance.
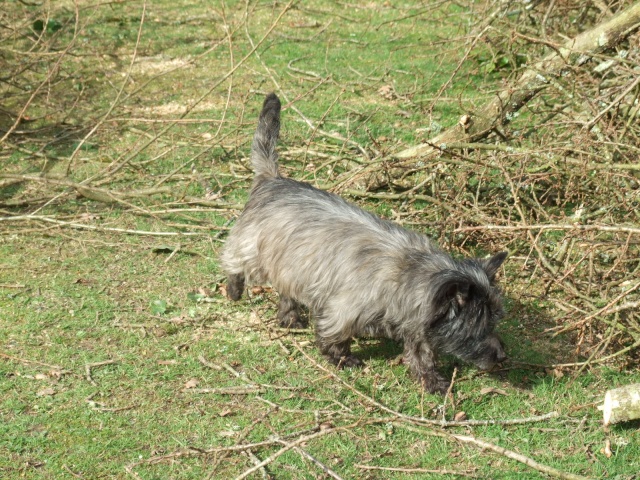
(358, 274)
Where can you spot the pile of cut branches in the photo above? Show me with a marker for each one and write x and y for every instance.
(549, 166)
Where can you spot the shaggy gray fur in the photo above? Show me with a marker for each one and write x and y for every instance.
(358, 274)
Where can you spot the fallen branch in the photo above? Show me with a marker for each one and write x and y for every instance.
(92, 193)
(248, 390)
(536, 78)
(82, 226)
(415, 470)
(529, 462)
(552, 226)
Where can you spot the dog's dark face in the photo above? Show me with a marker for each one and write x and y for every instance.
(469, 308)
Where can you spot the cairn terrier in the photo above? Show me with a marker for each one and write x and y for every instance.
(359, 275)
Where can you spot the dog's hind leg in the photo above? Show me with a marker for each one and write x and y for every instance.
(337, 348)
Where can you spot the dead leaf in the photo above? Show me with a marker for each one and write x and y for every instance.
(223, 290)
(387, 91)
(191, 383)
(167, 362)
(488, 390)
(257, 290)
(46, 392)
(205, 292)
(225, 412)
(41, 376)
(460, 417)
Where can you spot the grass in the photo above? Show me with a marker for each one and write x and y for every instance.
(72, 299)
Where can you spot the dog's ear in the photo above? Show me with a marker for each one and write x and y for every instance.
(452, 285)
(492, 264)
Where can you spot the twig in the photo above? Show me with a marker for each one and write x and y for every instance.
(248, 390)
(25, 360)
(415, 470)
(607, 309)
(518, 457)
(258, 386)
(82, 226)
(256, 461)
(322, 466)
(551, 226)
(92, 193)
(613, 103)
(448, 395)
(89, 366)
(243, 434)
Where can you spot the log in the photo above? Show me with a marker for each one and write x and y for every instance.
(621, 404)
(504, 107)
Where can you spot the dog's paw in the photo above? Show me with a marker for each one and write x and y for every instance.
(435, 384)
(349, 361)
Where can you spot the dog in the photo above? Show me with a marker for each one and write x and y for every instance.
(359, 275)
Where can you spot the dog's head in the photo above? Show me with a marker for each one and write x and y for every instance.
(466, 306)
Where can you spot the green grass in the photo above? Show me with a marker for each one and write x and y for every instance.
(73, 298)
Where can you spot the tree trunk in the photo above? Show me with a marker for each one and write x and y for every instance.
(500, 110)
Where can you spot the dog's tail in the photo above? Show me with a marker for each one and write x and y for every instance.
(264, 157)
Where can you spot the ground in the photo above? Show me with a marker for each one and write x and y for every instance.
(121, 356)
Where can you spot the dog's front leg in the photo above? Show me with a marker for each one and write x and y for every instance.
(421, 361)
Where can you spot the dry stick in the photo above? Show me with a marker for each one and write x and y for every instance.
(89, 366)
(231, 60)
(614, 103)
(25, 360)
(599, 360)
(93, 193)
(414, 470)
(248, 390)
(543, 156)
(245, 432)
(256, 460)
(600, 347)
(448, 395)
(510, 100)
(322, 466)
(518, 457)
(425, 421)
(552, 226)
(99, 229)
(257, 387)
